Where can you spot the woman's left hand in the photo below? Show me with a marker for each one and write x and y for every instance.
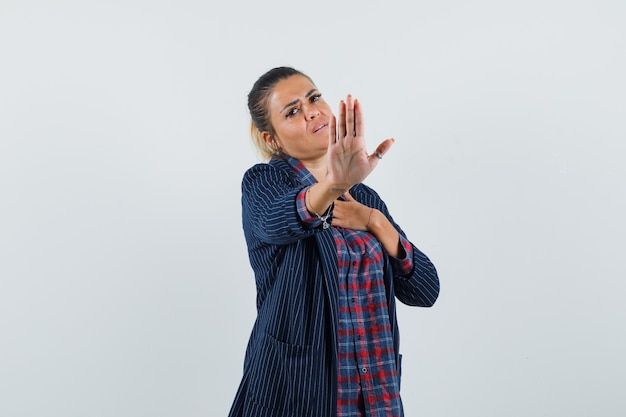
(350, 214)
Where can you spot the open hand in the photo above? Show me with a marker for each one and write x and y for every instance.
(348, 160)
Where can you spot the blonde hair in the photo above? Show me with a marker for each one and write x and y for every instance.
(264, 150)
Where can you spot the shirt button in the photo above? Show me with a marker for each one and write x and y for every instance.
(364, 370)
(353, 299)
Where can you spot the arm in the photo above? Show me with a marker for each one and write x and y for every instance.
(347, 160)
(350, 214)
(349, 164)
(421, 286)
(415, 277)
(269, 205)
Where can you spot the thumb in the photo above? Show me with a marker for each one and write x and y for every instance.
(348, 196)
(384, 146)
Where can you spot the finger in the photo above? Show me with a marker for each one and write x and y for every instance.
(338, 209)
(358, 118)
(350, 128)
(332, 131)
(342, 120)
(348, 196)
(382, 149)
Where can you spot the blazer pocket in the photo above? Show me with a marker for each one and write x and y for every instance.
(286, 377)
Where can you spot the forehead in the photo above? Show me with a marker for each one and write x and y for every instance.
(290, 89)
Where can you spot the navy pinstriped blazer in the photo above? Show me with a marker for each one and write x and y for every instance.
(290, 367)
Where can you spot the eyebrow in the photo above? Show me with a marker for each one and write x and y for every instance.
(307, 95)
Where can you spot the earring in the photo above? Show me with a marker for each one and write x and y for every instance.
(276, 148)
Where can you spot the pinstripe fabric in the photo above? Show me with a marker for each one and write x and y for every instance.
(290, 368)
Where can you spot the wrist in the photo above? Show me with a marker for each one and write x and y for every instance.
(335, 186)
(319, 198)
(322, 217)
(331, 189)
(386, 234)
(369, 219)
(373, 221)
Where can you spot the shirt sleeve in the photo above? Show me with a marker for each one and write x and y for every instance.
(310, 221)
(404, 265)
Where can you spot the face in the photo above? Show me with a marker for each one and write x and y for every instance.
(300, 118)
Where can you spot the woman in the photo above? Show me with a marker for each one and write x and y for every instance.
(328, 262)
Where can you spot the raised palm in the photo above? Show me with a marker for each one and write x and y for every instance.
(348, 160)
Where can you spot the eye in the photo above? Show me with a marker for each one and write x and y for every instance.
(315, 97)
(292, 112)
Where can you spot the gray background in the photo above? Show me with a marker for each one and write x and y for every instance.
(125, 288)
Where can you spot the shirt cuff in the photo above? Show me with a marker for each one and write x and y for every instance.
(309, 220)
(404, 265)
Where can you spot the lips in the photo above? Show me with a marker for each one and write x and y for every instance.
(320, 127)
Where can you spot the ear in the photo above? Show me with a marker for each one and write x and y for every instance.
(270, 140)
(267, 138)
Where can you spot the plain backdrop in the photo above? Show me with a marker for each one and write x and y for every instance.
(125, 287)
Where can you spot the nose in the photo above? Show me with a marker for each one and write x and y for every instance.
(310, 112)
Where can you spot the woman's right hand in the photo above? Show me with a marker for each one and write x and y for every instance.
(348, 160)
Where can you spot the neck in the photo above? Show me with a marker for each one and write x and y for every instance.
(317, 167)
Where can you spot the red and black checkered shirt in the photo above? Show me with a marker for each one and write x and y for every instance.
(367, 376)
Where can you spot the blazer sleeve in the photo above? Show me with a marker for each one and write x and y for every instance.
(421, 287)
(269, 209)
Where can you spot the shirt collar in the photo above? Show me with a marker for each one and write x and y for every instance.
(303, 174)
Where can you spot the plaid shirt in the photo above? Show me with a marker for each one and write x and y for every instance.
(367, 377)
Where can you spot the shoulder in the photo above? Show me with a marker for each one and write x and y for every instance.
(362, 190)
(271, 168)
(275, 170)
(368, 196)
